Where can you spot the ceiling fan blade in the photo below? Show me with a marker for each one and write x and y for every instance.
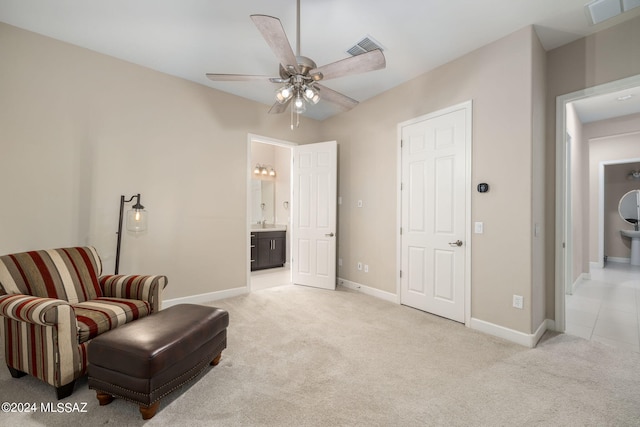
(273, 33)
(342, 101)
(370, 61)
(278, 108)
(235, 77)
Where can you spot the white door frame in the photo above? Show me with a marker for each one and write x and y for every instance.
(563, 249)
(601, 195)
(468, 105)
(264, 140)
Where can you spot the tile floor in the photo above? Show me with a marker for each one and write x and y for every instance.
(606, 308)
(263, 279)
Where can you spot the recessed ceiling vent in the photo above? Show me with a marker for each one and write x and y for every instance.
(602, 10)
(367, 44)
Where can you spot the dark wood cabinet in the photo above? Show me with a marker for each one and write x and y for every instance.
(268, 249)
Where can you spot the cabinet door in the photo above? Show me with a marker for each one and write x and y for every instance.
(278, 253)
(264, 252)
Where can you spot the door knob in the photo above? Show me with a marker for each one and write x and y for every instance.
(456, 243)
(329, 235)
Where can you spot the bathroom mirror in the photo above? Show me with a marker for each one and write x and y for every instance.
(629, 207)
(263, 196)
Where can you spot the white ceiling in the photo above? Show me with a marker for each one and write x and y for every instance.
(188, 38)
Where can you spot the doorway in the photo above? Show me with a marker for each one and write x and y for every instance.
(295, 241)
(269, 207)
(586, 287)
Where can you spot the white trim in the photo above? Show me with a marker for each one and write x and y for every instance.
(527, 340)
(599, 264)
(563, 184)
(601, 195)
(619, 260)
(581, 278)
(468, 106)
(387, 296)
(204, 298)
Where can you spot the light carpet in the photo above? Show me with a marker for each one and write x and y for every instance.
(299, 356)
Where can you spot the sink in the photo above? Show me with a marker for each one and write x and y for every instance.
(635, 245)
(268, 227)
(630, 233)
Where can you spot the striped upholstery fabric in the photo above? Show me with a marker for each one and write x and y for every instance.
(46, 352)
(103, 314)
(70, 274)
(147, 288)
(53, 302)
(41, 311)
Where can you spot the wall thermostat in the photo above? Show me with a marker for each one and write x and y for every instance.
(483, 187)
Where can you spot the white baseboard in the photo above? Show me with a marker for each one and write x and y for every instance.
(527, 340)
(387, 296)
(208, 297)
(580, 279)
(599, 265)
(618, 260)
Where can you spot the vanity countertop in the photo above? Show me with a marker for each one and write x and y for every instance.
(268, 227)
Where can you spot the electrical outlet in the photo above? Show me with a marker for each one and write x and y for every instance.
(366, 268)
(359, 266)
(359, 203)
(518, 301)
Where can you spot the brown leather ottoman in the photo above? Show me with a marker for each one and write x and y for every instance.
(147, 359)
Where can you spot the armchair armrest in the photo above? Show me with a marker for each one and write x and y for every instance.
(30, 309)
(145, 288)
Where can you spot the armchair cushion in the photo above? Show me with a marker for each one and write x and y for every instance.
(103, 314)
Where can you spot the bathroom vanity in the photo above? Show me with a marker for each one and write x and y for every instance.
(268, 247)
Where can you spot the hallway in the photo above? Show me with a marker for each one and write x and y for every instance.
(606, 307)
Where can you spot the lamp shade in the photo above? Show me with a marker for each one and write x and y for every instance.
(137, 220)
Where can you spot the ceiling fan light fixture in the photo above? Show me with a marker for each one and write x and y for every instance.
(299, 106)
(311, 95)
(284, 94)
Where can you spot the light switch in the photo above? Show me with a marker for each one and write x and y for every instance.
(479, 227)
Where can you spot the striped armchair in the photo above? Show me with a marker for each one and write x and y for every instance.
(53, 302)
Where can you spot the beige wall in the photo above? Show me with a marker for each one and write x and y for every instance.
(606, 56)
(498, 78)
(78, 129)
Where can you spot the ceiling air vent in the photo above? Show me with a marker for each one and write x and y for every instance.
(367, 44)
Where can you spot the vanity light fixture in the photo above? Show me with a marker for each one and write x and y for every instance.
(266, 170)
(136, 222)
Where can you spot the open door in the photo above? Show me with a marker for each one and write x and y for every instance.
(314, 186)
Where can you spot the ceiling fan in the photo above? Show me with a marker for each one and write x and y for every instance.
(299, 75)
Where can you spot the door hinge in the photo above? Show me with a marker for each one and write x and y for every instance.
(401, 143)
(401, 231)
(401, 274)
(401, 186)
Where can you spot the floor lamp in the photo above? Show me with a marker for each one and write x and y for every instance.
(136, 221)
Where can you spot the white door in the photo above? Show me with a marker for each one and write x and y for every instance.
(434, 210)
(315, 169)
